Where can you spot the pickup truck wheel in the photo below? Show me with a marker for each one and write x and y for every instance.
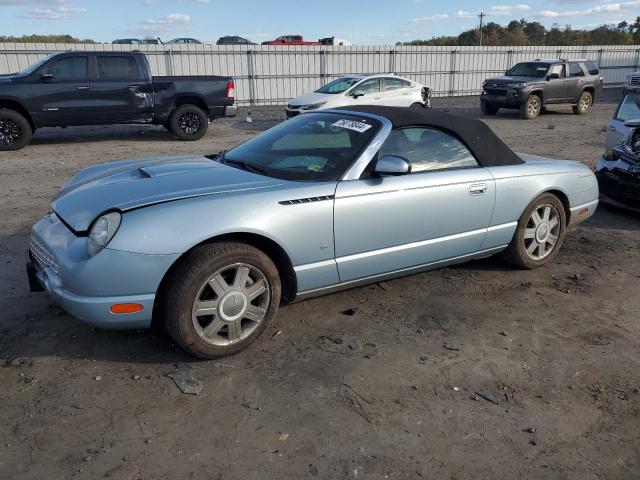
(489, 108)
(220, 298)
(584, 103)
(189, 122)
(417, 105)
(531, 107)
(540, 232)
(15, 130)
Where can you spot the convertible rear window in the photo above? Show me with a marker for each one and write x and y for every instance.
(310, 147)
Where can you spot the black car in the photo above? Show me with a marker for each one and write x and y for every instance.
(234, 40)
(530, 86)
(102, 88)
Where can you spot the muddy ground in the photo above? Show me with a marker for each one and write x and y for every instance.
(478, 371)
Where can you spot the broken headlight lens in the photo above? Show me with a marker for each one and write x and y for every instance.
(102, 231)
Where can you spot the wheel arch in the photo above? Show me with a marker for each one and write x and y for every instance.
(591, 89)
(564, 199)
(191, 99)
(539, 93)
(271, 248)
(19, 108)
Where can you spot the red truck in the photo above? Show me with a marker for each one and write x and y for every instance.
(289, 40)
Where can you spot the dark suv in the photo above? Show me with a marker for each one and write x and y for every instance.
(530, 86)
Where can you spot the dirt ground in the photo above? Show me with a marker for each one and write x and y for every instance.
(480, 371)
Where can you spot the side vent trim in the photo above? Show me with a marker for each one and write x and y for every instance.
(307, 200)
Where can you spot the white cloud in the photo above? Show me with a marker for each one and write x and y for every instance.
(604, 8)
(166, 24)
(509, 9)
(52, 10)
(446, 16)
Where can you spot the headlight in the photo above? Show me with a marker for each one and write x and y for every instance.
(313, 106)
(484, 84)
(517, 86)
(102, 231)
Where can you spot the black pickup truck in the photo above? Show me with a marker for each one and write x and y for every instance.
(101, 88)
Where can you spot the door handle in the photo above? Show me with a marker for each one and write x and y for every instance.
(565, 82)
(135, 86)
(82, 87)
(478, 189)
(611, 128)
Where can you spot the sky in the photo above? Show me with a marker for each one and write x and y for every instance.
(359, 21)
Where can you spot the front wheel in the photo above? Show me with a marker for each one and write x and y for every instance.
(531, 107)
(220, 298)
(189, 122)
(539, 234)
(15, 130)
(584, 103)
(489, 108)
(417, 105)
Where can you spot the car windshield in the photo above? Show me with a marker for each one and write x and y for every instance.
(340, 85)
(629, 107)
(310, 147)
(33, 67)
(529, 69)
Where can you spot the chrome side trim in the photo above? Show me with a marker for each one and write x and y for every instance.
(396, 273)
(502, 226)
(407, 246)
(311, 266)
(306, 200)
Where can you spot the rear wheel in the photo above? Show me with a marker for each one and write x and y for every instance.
(584, 103)
(540, 233)
(189, 122)
(15, 130)
(489, 108)
(220, 298)
(531, 107)
(417, 105)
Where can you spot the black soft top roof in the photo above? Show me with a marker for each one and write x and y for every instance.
(485, 145)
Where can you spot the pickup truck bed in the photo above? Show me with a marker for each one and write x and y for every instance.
(98, 88)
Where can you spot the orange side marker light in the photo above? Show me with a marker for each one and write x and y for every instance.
(120, 308)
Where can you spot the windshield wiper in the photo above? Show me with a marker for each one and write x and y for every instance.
(246, 166)
(218, 157)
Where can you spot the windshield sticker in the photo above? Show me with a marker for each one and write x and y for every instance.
(359, 127)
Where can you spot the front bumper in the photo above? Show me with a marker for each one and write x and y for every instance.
(619, 183)
(503, 98)
(86, 287)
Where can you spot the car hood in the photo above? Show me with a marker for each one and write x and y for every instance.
(311, 98)
(130, 184)
(509, 80)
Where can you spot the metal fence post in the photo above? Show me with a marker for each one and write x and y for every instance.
(638, 59)
(600, 52)
(250, 76)
(168, 62)
(452, 73)
(323, 65)
(392, 61)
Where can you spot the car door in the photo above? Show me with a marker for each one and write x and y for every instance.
(62, 92)
(439, 211)
(121, 93)
(628, 109)
(396, 92)
(555, 90)
(366, 92)
(575, 79)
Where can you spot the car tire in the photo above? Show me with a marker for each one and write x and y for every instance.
(537, 239)
(417, 105)
(15, 130)
(219, 298)
(531, 108)
(489, 108)
(189, 122)
(584, 103)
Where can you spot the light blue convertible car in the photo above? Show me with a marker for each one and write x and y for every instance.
(211, 245)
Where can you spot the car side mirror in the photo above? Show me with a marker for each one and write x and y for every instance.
(357, 94)
(46, 76)
(392, 165)
(553, 76)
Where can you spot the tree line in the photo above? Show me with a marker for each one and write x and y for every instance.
(522, 32)
(44, 39)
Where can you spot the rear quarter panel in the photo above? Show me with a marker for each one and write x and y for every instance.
(518, 185)
(210, 90)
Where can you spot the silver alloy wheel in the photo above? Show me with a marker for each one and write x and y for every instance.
(542, 231)
(533, 106)
(585, 103)
(231, 304)
(189, 123)
(10, 131)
